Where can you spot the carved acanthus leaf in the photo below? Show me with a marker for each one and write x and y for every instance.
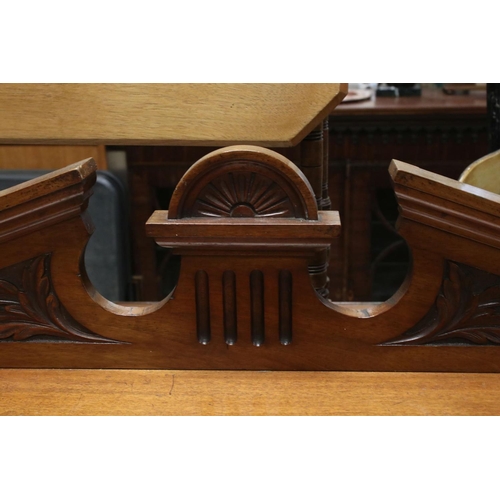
(466, 311)
(29, 308)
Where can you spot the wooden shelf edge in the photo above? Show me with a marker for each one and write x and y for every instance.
(150, 392)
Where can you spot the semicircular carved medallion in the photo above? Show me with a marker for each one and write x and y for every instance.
(229, 185)
(243, 194)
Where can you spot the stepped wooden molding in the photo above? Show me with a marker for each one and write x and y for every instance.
(243, 197)
(190, 233)
(246, 297)
(46, 200)
(446, 204)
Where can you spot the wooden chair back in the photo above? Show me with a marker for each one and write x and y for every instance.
(484, 173)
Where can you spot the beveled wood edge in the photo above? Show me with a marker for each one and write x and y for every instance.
(175, 233)
(444, 188)
(45, 184)
(160, 217)
(445, 204)
(183, 392)
(47, 200)
(131, 140)
(322, 115)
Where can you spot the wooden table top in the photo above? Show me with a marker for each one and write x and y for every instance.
(432, 101)
(211, 114)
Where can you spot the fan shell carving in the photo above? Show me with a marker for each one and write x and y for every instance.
(244, 182)
(243, 195)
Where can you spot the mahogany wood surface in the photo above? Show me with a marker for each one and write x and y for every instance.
(245, 298)
(169, 114)
(150, 392)
(53, 318)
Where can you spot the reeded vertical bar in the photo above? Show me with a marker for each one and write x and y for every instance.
(257, 307)
(202, 307)
(229, 306)
(285, 299)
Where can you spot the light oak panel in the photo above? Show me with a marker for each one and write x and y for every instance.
(149, 392)
(42, 157)
(169, 114)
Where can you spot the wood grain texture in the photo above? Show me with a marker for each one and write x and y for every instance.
(286, 306)
(43, 157)
(169, 114)
(138, 392)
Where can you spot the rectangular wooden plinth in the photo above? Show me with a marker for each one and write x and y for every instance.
(148, 392)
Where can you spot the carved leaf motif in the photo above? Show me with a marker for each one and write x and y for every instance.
(30, 309)
(466, 311)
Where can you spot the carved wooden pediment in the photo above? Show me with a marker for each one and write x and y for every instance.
(245, 222)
